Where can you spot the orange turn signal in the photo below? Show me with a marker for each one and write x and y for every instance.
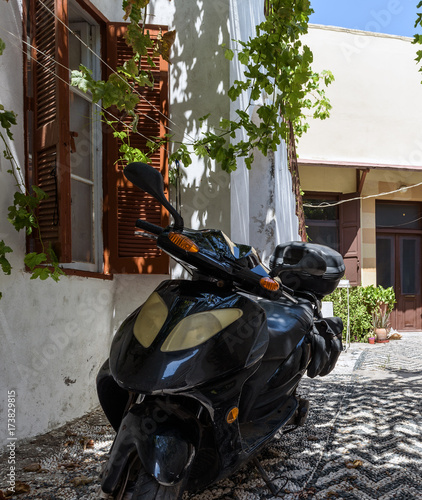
(232, 415)
(183, 242)
(269, 284)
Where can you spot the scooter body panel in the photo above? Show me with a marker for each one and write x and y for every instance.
(153, 371)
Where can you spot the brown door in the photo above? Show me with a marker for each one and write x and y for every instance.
(399, 265)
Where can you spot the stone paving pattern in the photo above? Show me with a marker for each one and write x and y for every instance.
(362, 440)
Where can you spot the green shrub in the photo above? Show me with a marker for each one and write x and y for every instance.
(375, 296)
(360, 316)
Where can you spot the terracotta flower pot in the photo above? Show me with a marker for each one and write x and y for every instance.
(371, 340)
(381, 334)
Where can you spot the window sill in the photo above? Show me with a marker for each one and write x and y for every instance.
(84, 274)
(87, 274)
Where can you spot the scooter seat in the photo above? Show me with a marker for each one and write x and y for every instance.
(287, 324)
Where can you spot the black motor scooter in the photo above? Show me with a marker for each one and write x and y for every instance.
(204, 373)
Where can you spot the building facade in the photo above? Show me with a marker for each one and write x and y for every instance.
(365, 162)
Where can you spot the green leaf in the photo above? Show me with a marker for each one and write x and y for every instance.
(2, 47)
(244, 57)
(34, 259)
(229, 54)
(41, 272)
(82, 79)
(41, 195)
(248, 161)
(4, 263)
(225, 124)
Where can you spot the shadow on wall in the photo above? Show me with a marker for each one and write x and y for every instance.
(199, 81)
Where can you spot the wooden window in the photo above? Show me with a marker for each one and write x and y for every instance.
(322, 222)
(75, 164)
(337, 226)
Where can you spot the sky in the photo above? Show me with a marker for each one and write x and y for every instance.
(394, 17)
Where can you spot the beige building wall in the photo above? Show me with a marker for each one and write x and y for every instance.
(327, 179)
(376, 121)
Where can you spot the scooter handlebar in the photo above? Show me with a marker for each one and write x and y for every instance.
(148, 226)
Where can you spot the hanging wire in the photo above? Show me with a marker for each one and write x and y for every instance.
(71, 86)
(116, 73)
(400, 225)
(125, 125)
(326, 204)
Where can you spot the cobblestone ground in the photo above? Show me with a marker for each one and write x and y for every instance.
(362, 440)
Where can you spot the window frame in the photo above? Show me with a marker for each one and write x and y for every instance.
(97, 152)
(102, 230)
(319, 222)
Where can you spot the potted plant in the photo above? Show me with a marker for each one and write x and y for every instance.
(381, 322)
(380, 302)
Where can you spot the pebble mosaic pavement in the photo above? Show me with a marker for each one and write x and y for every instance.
(362, 440)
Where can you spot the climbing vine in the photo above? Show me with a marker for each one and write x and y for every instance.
(276, 65)
(277, 70)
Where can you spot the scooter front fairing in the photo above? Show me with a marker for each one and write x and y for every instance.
(204, 378)
(187, 334)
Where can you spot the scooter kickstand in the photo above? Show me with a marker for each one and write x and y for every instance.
(265, 477)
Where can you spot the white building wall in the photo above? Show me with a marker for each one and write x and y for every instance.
(376, 115)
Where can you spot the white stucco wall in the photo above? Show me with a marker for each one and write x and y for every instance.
(376, 98)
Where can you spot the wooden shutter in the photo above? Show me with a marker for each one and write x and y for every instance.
(350, 239)
(123, 202)
(51, 153)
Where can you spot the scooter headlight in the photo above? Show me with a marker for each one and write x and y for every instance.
(198, 328)
(150, 320)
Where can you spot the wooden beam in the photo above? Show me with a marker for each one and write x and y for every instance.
(360, 180)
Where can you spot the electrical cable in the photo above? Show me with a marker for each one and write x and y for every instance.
(114, 71)
(71, 86)
(326, 204)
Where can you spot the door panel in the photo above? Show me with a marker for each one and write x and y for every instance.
(350, 238)
(386, 261)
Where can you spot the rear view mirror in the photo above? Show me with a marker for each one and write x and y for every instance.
(150, 180)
